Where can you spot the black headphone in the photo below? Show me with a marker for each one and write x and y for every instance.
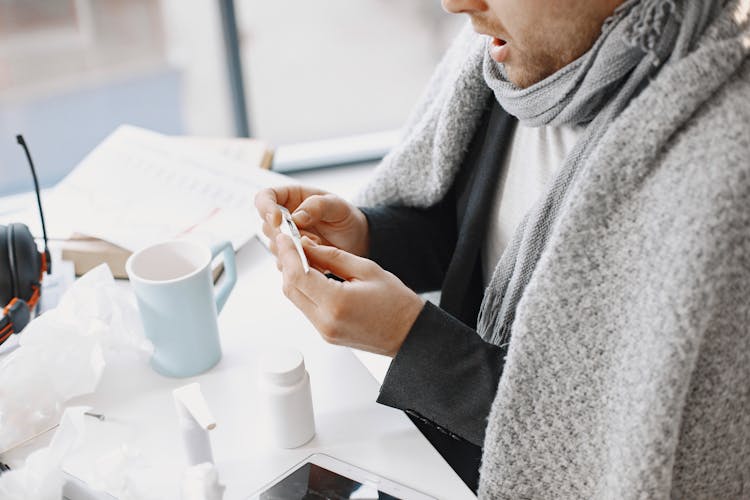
(22, 268)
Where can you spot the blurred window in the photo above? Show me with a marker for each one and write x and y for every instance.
(316, 70)
(71, 71)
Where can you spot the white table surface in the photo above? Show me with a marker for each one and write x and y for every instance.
(349, 424)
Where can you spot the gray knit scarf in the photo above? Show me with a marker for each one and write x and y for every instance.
(636, 41)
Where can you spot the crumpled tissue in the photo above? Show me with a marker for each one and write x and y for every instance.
(201, 482)
(63, 352)
(41, 477)
(120, 471)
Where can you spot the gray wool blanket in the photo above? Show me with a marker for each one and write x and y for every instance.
(628, 369)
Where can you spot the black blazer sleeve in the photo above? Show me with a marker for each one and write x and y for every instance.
(446, 374)
(414, 244)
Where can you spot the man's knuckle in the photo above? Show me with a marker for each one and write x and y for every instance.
(331, 333)
(336, 253)
(326, 329)
(338, 312)
(313, 205)
(369, 266)
(293, 274)
(335, 341)
(264, 197)
(325, 335)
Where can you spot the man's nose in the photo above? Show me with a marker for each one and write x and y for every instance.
(464, 6)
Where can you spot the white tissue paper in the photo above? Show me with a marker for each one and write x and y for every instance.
(41, 478)
(63, 352)
(201, 482)
(120, 472)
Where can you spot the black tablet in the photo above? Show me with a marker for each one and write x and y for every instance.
(324, 477)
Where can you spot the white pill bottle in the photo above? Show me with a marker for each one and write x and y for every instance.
(287, 398)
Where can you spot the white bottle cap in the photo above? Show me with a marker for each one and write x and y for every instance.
(283, 366)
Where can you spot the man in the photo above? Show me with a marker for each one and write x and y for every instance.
(576, 181)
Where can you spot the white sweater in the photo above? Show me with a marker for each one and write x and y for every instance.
(534, 154)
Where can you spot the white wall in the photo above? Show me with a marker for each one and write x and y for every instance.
(312, 69)
(194, 45)
(333, 67)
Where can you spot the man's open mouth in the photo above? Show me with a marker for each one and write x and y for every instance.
(499, 49)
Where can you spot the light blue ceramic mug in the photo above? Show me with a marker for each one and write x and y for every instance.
(179, 303)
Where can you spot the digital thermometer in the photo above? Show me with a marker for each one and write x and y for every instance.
(289, 228)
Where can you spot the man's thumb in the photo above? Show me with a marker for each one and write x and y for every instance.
(317, 208)
(335, 260)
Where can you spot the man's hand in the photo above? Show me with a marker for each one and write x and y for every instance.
(371, 310)
(323, 217)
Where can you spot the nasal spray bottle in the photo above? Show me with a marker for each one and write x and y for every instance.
(201, 480)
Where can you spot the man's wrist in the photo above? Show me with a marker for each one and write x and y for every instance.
(409, 314)
(362, 248)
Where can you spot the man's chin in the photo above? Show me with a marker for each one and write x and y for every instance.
(518, 77)
(523, 77)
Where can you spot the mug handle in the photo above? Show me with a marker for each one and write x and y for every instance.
(230, 270)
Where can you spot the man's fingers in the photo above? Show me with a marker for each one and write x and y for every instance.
(320, 318)
(312, 236)
(320, 208)
(270, 230)
(287, 253)
(266, 201)
(339, 262)
(314, 284)
(302, 301)
(294, 276)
